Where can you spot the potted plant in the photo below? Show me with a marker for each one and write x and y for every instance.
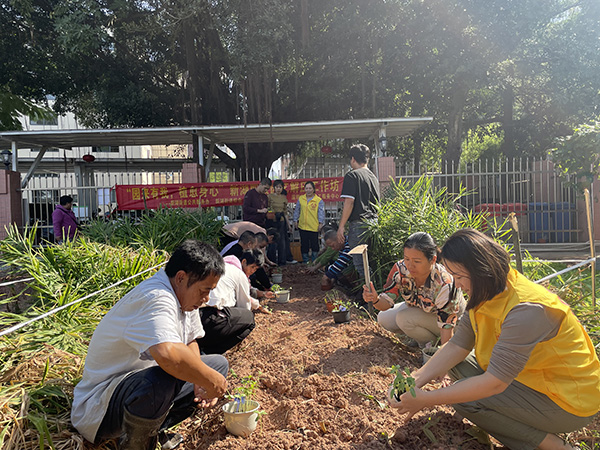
(241, 412)
(276, 275)
(332, 298)
(282, 295)
(429, 350)
(341, 310)
(403, 381)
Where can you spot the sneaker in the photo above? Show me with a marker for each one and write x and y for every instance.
(293, 261)
(169, 441)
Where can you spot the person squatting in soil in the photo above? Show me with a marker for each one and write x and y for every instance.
(228, 317)
(419, 297)
(341, 270)
(278, 204)
(309, 218)
(247, 241)
(534, 371)
(143, 372)
(360, 192)
(260, 279)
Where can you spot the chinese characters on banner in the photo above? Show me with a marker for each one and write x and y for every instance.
(192, 195)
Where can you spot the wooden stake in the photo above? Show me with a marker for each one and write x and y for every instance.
(588, 212)
(512, 218)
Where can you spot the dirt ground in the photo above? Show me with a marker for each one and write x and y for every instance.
(322, 385)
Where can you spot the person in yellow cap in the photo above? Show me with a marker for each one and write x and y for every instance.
(534, 371)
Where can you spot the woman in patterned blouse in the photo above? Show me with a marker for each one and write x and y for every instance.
(419, 298)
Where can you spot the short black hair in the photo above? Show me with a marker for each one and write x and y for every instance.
(253, 257)
(247, 236)
(278, 183)
(65, 200)
(273, 232)
(266, 181)
(360, 153)
(330, 235)
(198, 259)
(486, 262)
(261, 237)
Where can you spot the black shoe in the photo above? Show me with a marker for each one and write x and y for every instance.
(169, 441)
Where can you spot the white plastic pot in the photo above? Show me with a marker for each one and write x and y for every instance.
(241, 423)
(428, 352)
(277, 278)
(282, 296)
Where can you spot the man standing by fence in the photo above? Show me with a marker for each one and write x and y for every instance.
(360, 192)
(256, 203)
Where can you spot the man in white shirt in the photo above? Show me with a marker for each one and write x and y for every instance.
(143, 372)
(228, 317)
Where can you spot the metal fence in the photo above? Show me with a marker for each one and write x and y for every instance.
(546, 205)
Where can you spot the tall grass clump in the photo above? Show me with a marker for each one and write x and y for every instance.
(41, 363)
(405, 209)
(164, 228)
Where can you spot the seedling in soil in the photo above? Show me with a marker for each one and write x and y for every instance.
(278, 288)
(403, 382)
(338, 300)
(243, 393)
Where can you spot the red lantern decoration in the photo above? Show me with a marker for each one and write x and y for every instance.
(326, 149)
(89, 158)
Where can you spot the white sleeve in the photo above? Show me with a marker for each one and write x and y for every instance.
(242, 290)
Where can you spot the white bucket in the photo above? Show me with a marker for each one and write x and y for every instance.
(241, 423)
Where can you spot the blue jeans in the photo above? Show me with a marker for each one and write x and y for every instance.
(150, 393)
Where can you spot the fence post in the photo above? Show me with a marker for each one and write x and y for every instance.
(592, 247)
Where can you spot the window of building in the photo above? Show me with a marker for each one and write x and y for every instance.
(52, 121)
(106, 149)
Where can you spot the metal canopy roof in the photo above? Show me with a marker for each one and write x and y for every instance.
(219, 134)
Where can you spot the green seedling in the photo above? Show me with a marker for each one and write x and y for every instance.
(403, 382)
(244, 393)
(338, 300)
(278, 288)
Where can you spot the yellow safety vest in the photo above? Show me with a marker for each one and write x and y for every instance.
(565, 368)
(309, 217)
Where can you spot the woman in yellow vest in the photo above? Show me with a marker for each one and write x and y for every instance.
(534, 371)
(309, 217)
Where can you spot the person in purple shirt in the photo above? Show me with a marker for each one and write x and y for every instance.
(64, 220)
(256, 203)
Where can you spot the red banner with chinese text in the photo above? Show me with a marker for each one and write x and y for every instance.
(192, 195)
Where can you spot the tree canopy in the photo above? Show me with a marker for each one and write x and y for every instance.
(522, 72)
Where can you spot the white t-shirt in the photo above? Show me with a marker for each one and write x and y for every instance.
(148, 315)
(233, 289)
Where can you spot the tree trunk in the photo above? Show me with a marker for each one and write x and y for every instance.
(508, 144)
(455, 123)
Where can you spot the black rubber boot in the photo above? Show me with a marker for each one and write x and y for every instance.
(140, 433)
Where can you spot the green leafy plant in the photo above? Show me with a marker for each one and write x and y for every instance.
(244, 393)
(278, 288)
(403, 382)
(338, 300)
(407, 208)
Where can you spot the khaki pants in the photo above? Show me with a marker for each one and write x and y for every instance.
(519, 417)
(412, 321)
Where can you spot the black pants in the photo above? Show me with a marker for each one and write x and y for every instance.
(309, 240)
(150, 393)
(224, 328)
(260, 280)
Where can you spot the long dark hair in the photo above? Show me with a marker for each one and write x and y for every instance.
(486, 262)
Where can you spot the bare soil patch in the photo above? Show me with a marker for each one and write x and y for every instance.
(322, 385)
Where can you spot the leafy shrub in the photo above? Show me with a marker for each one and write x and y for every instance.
(164, 229)
(406, 209)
